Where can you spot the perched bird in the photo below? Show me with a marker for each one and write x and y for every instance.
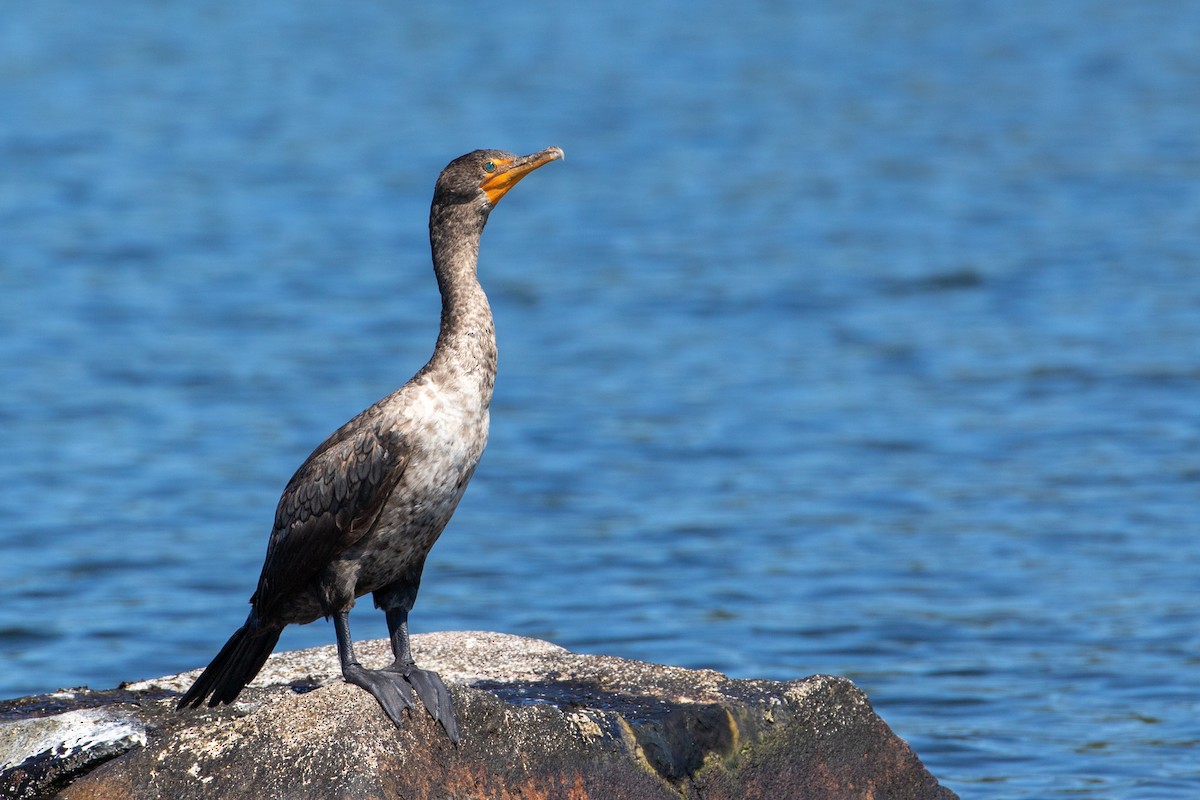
(363, 511)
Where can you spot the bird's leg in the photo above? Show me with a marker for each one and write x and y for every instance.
(392, 691)
(430, 688)
(397, 622)
(396, 602)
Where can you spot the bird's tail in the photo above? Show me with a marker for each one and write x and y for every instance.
(236, 665)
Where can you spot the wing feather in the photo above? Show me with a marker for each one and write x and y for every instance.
(331, 502)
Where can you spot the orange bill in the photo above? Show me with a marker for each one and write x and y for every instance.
(509, 171)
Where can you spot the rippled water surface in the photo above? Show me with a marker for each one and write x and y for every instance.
(857, 338)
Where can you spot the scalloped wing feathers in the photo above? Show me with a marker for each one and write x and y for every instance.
(331, 502)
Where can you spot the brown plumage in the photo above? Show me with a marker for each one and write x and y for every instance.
(363, 511)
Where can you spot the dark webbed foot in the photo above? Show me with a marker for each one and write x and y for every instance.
(433, 693)
(393, 687)
(392, 691)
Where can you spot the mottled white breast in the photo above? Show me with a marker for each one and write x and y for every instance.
(446, 426)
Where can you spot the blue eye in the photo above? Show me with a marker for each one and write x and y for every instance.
(489, 166)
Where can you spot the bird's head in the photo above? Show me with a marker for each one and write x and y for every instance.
(481, 178)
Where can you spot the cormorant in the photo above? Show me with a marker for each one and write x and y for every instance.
(363, 511)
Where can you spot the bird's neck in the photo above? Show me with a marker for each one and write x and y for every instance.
(466, 344)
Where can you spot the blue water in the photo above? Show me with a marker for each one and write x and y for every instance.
(856, 338)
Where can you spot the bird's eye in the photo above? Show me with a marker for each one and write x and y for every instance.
(489, 166)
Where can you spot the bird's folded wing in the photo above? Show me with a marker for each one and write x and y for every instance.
(330, 503)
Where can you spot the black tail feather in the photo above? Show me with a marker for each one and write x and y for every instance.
(236, 665)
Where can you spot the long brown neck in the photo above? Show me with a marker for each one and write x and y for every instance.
(466, 344)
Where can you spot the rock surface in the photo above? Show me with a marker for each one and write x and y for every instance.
(538, 723)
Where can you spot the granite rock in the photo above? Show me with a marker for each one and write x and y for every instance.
(537, 721)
